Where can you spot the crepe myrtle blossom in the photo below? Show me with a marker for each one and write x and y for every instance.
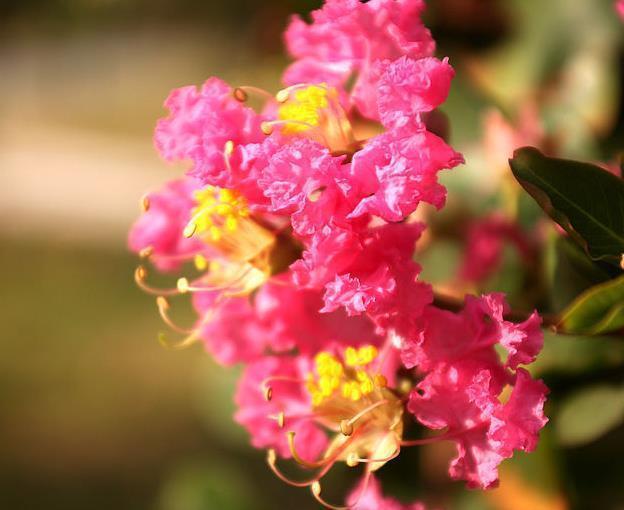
(293, 185)
(293, 233)
(346, 404)
(465, 381)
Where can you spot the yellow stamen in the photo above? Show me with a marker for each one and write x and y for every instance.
(303, 108)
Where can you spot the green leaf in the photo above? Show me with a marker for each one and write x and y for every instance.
(587, 201)
(589, 414)
(598, 310)
(570, 271)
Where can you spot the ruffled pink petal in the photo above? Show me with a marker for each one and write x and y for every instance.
(301, 325)
(160, 227)
(522, 417)
(348, 36)
(411, 87)
(294, 172)
(394, 174)
(356, 295)
(232, 334)
(255, 412)
(199, 125)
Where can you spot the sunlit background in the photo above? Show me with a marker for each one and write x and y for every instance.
(95, 412)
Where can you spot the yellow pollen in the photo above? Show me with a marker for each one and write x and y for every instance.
(332, 373)
(304, 107)
(217, 210)
(200, 262)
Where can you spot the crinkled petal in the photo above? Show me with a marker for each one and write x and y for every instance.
(255, 412)
(411, 87)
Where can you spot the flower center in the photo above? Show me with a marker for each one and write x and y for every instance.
(311, 110)
(302, 111)
(349, 398)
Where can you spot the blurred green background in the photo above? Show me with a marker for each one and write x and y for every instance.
(95, 413)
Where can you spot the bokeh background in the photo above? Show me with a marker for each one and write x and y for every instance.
(95, 413)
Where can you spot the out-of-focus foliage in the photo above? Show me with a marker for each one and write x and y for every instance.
(590, 413)
(598, 310)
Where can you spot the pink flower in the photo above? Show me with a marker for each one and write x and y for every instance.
(302, 238)
(464, 379)
(408, 88)
(465, 401)
(347, 36)
(485, 241)
(260, 416)
(237, 330)
(230, 330)
(382, 280)
(619, 7)
(200, 124)
(473, 333)
(367, 495)
(295, 172)
(160, 228)
(394, 173)
(301, 325)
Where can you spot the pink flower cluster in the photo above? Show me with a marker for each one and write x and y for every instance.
(302, 241)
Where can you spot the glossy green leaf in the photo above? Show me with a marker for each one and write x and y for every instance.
(599, 309)
(589, 414)
(587, 201)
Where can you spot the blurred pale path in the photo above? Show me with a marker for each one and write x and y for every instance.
(75, 136)
(95, 412)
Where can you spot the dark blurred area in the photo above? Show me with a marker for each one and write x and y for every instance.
(96, 413)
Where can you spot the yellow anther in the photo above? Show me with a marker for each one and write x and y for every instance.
(145, 203)
(316, 488)
(303, 107)
(355, 394)
(146, 252)
(228, 148)
(189, 230)
(361, 376)
(268, 393)
(182, 285)
(240, 95)
(217, 210)
(317, 398)
(351, 356)
(367, 354)
(201, 264)
(231, 223)
(223, 209)
(367, 387)
(215, 233)
(325, 386)
(380, 381)
(352, 459)
(346, 427)
(140, 273)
